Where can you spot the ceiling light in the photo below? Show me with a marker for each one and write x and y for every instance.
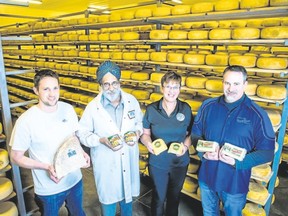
(177, 1)
(27, 1)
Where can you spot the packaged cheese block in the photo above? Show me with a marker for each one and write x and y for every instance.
(142, 56)
(217, 59)
(206, 146)
(245, 33)
(158, 34)
(202, 7)
(161, 11)
(196, 82)
(177, 35)
(128, 15)
(130, 138)
(251, 88)
(261, 171)
(272, 63)
(190, 185)
(175, 57)
(244, 60)
(175, 148)
(278, 2)
(159, 146)
(252, 209)
(8, 209)
(141, 94)
(194, 59)
(115, 17)
(129, 55)
(4, 161)
(226, 5)
(197, 35)
(130, 36)
(234, 151)
(142, 149)
(104, 18)
(257, 192)
(253, 4)
(192, 167)
(158, 56)
(180, 9)
(142, 164)
(115, 36)
(220, 34)
(274, 92)
(214, 85)
(143, 13)
(274, 116)
(140, 76)
(116, 142)
(277, 32)
(6, 187)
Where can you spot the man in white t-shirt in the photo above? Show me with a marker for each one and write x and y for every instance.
(41, 130)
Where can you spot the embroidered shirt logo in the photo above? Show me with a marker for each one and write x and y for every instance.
(131, 114)
(243, 120)
(180, 116)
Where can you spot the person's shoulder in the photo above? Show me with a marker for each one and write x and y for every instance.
(128, 96)
(64, 105)
(210, 101)
(28, 114)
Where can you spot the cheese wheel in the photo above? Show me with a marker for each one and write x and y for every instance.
(115, 36)
(197, 35)
(129, 55)
(140, 76)
(141, 94)
(194, 59)
(126, 74)
(277, 32)
(256, 23)
(142, 164)
(214, 85)
(238, 23)
(155, 96)
(93, 37)
(177, 35)
(274, 116)
(93, 86)
(158, 34)
(226, 5)
(104, 55)
(161, 11)
(84, 84)
(130, 36)
(158, 56)
(211, 24)
(104, 37)
(175, 57)
(261, 171)
(94, 55)
(6, 188)
(257, 192)
(156, 77)
(272, 63)
(142, 149)
(253, 4)
(192, 167)
(104, 18)
(244, 60)
(220, 34)
(245, 33)
(271, 22)
(115, 17)
(8, 209)
(196, 82)
(128, 15)
(143, 13)
(142, 56)
(190, 185)
(4, 161)
(180, 9)
(252, 209)
(116, 55)
(251, 88)
(217, 59)
(194, 104)
(274, 92)
(278, 2)
(202, 7)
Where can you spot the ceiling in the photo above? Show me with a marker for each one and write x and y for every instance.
(10, 15)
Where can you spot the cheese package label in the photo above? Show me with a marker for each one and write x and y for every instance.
(158, 146)
(115, 142)
(206, 146)
(130, 138)
(234, 151)
(175, 148)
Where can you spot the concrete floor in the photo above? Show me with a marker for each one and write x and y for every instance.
(141, 204)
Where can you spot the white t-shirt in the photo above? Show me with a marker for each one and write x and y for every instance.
(41, 134)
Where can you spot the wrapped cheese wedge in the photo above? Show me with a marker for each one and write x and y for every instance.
(115, 142)
(69, 157)
(130, 138)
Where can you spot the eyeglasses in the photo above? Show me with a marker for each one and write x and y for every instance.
(114, 84)
(172, 87)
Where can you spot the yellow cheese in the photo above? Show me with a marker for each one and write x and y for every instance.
(140, 76)
(130, 36)
(129, 55)
(128, 15)
(194, 59)
(8, 209)
(197, 35)
(238, 23)
(73, 37)
(190, 185)
(161, 11)
(214, 85)
(143, 13)
(211, 24)
(104, 55)
(83, 54)
(272, 63)
(256, 23)
(180, 9)
(116, 55)
(253, 4)
(226, 5)
(84, 84)
(217, 59)
(104, 18)
(93, 37)
(251, 88)
(271, 22)
(158, 56)
(158, 34)
(4, 161)
(93, 86)
(126, 74)
(6, 187)
(245, 33)
(115, 36)
(193, 167)
(244, 60)
(76, 82)
(261, 171)
(202, 7)
(278, 2)
(156, 77)
(175, 57)
(196, 82)
(1, 128)
(252, 209)
(220, 34)
(155, 96)
(224, 23)
(178, 35)
(274, 92)
(115, 17)
(194, 104)
(142, 164)
(142, 149)
(94, 55)
(104, 37)
(141, 94)
(257, 192)
(277, 32)
(142, 56)
(274, 116)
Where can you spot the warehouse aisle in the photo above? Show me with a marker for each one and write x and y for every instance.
(141, 206)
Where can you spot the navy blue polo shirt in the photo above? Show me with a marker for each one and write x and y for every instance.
(247, 126)
(171, 128)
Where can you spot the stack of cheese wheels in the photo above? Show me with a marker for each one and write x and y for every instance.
(6, 187)
(190, 185)
(252, 209)
(257, 192)
(261, 171)
(4, 161)
(8, 209)
(273, 92)
(274, 116)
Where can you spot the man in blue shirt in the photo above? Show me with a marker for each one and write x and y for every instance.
(231, 118)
